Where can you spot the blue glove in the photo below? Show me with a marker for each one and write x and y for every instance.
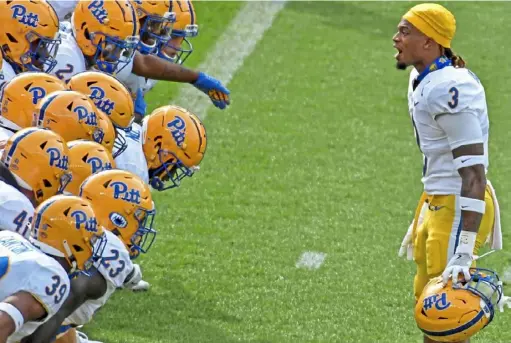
(218, 94)
(140, 105)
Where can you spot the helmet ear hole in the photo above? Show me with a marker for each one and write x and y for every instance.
(77, 248)
(11, 38)
(46, 183)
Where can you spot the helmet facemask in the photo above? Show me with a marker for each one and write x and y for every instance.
(185, 48)
(112, 54)
(171, 171)
(156, 31)
(42, 52)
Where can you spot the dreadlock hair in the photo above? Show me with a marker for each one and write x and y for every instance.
(456, 60)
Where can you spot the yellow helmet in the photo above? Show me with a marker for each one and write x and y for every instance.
(174, 142)
(109, 134)
(29, 37)
(178, 47)
(66, 227)
(124, 206)
(109, 95)
(70, 114)
(21, 95)
(456, 312)
(156, 19)
(106, 31)
(38, 160)
(86, 158)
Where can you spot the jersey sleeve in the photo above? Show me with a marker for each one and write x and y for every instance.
(16, 211)
(450, 97)
(49, 284)
(64, 8)
(115, 265)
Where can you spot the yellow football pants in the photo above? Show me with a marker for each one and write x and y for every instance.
(437, 237)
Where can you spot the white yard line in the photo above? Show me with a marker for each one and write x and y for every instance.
(236, 43)
(311, 260)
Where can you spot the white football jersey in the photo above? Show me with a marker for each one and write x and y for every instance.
(5, 133)
(16, 210)
(445, 91)
(23, 268)
(133, 158)
(135, 82)
(70, 59)
(7, 74)
(115, 267)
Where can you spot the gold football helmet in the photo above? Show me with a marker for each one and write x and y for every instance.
(174, 142)
(38, 160)
(458, 311)
(111, 97)
(124, 206)
(70, 114)
(109, 133)
(106, 31)
(29, 37)
(178, 48)
(86, 158)
(66, 226)
(21, 95)
(156, 19)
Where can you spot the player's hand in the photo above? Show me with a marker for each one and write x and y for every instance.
(407, 244)
(217, 92)
(459, 263)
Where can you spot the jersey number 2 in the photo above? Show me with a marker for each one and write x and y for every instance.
(454, 101)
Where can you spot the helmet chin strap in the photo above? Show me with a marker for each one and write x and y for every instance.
(69, 256)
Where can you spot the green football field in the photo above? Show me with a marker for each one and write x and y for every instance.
(316, 154)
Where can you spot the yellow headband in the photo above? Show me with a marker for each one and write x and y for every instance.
(435, 21)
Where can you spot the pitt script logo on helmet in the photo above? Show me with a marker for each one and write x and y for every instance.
(22, 94)
(458, 311)
(123, 192)
(30, 34)
(66, 227)
(102, 103)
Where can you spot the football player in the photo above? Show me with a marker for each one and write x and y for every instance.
(105, 35)
(29, 36)
(126, 211)
(110, 97)
(34, 168)
(34, 282)
(73, 116)
(20, 97)
(450, 116)
(175, 48)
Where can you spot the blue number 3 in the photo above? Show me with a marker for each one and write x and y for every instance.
(56, 286)
(454, 101)
(105, 261)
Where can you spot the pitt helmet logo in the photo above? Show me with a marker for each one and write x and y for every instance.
(81, 220)
(37, 94)
(440, 302)
(104, 104)
(98, 11)
(97, 165)
(89, 118)
(177, 129)
(19, 12)
(123, 192)
(56, 159)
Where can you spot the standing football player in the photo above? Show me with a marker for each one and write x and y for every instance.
(450, 117)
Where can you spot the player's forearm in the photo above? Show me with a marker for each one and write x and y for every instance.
(155, 68)
(473, 186)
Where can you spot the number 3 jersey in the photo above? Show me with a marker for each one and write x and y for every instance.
(447, 91)
(115, 267)
(23, 268)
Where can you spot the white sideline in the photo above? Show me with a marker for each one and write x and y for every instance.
(235, 44)
(311, 260)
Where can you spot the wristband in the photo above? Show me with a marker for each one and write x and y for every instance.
(14, 313)
(473, 205)
(467, 241)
